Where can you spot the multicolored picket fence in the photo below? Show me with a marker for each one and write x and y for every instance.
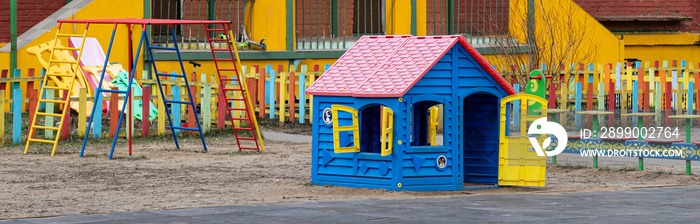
(624, 88)
(637, 87)
(627, 96)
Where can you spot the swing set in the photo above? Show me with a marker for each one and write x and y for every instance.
(227, 72)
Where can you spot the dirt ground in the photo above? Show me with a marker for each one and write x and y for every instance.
(158, 176)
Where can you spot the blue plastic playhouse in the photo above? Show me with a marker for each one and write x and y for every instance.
(371, 113)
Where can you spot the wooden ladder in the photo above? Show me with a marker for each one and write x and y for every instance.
(56, 80)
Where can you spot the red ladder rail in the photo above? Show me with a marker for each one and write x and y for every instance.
(233, 76)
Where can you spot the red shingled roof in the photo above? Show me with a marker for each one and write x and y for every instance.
(388, 66)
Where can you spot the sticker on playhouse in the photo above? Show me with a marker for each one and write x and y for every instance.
(327, 116)
(542, 126)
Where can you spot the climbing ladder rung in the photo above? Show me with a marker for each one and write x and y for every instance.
(237, 109)
(178, 101)
(45, 127)
(251, 148)
(63, 75)
(185, 128)
(223, 59)
(49, 114)
(68, 35)
(56, 87)
(224, 49)
(245, 138)
(240, 118)
(67, 48)
(246, 129)
(162, 48)
(229, 89)
(228, 69)
(218, 40)
(40, 140)
(63, 62)
(52, 101)
(237, 99)
(170, 75)
(228, 80)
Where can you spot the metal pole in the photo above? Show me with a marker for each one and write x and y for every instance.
(13, 35)
(149, 32)
(211, 15)
(450, 17)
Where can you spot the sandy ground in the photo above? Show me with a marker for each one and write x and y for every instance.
(158, 176)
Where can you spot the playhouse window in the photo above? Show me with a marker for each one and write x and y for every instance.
(345, 129)
(426, 124)
(376, 129)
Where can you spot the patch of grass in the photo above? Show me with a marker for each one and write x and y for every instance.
(47, 151)
(77, 142)
(663, 172)
(573, 167)
(627, 169)
(130, 158)
(174, 150)
(95, 155)
(287, 127)
(61, 152)
(244, 152)
(308, 184)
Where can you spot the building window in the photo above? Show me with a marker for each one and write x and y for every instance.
(336, 24)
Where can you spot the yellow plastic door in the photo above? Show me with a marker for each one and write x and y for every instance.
(387, 131)
(519, 164)
(354, 128)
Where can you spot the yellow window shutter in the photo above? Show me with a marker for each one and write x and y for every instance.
(354, 128)
(387, 131)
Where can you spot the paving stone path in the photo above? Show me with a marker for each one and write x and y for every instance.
(667, 205)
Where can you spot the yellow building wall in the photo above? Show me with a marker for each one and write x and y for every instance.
(421, 18)
(401, 10)
(553, 16)
(98, 9)
(660, 47)
(269, 22)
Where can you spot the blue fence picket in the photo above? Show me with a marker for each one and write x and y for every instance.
(302, 94)
(97, 121)
(271, 97)
(577, 117)
(690, 100)
(635, 100)
(175, 108)
(17, 116)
